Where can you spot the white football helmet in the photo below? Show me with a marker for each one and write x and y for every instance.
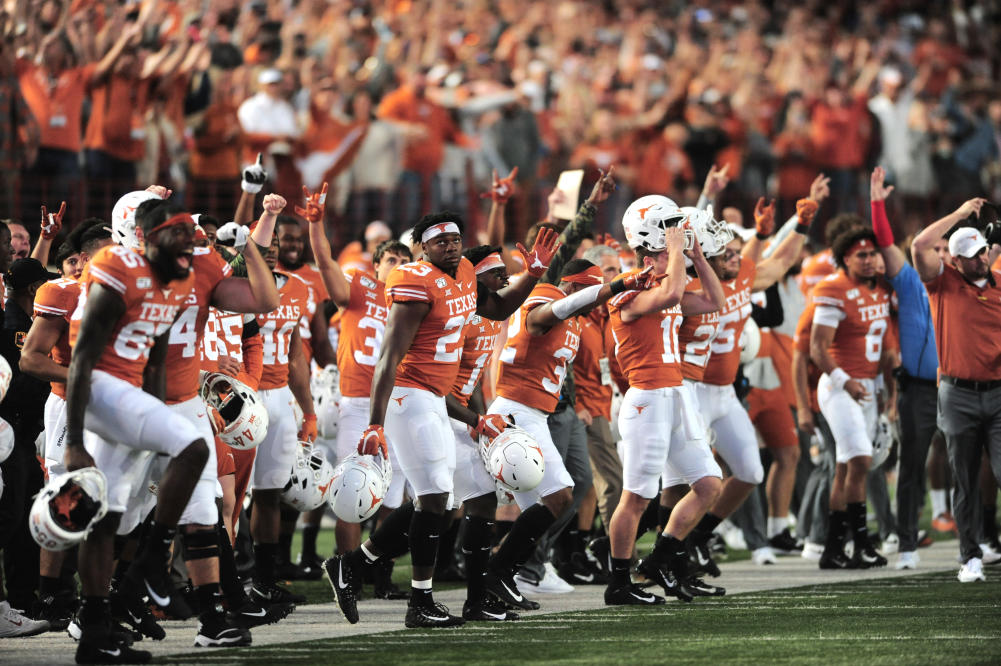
(123, 218)
(6, 440)
(245, 415)
(5, 376)
(68, 507)
(310, 480)
(712, 234)
(328, 412)
(360, 484)
(646, 219)
(750, 341)
(882, 443)
(514, 459)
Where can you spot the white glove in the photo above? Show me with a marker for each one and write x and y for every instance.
(233, 234)
(254, 176)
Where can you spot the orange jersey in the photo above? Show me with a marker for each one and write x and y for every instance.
(183, 357)
(58, 298)
(533, 367)
(150, 309)
(277, 327)
(480, 339)
(592, 373)
(695, 336)
(317, 295)
(815, 269)
(861, 316)
(223, 337)
(362, 325)
(966, 323)
(724, 360)
(432, 362)
(647, 348)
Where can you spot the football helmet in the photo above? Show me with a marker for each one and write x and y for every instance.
(6, 440)
(360, 484)
(123, 218)
(245, 415)
(750, 341)
(882, 443)
(712, 234)
(5, 376)
(646, 219)
(514, 459)
(328, 412)
(310, 479)
(68, 507)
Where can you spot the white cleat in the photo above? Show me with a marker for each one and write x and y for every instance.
(989, 555)
(551, 583)
(907, 560)
(812, 551)
(891, 544)
(13, 623)
(972, 571)
(762, 556)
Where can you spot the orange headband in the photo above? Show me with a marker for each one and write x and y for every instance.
(180, 218)
(858, 246)
(488, 263)
(587, 276)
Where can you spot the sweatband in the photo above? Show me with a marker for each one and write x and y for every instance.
(180, 218)
(488, 263)
(881, 224)
(438, 229)
(858, 246)
(568, 305)
(588, 276)
(838, 378)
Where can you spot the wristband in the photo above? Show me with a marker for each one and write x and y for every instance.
(617, 286)
(802, 229)
(760, 236)
(838, 378)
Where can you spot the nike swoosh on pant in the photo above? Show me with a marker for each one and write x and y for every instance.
(157, 599)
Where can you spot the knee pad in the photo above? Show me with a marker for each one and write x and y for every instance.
(200, 544)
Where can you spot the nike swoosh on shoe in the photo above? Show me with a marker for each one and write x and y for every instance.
(163, 602)
(515, 595)
(641, 598)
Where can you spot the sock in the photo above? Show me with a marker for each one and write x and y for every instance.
(158, 543)
(309, 534)
(266, 559)
(95, 611)
(518, 546)
(776, 524)
(707, 524)
(48, 586)
(425, 530)
(284, 548)
(856, 521)
(392, 537)
(420, 591)
(663, 515)
(583, 538)
(938, 505)
(209, 600)
(501, 530)
(229, 579)
(620, 571)
(476, 549)
(990, 523)
(446, 545)
(671, 551)
(648, 521)
(835, 531)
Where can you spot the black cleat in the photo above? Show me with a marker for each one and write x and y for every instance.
(506, 591)
(135, 613)
(152, 580)
(834, 560)
(385, 588)
(310, 567)
(631, 595)
(700, 588)
(867, 558)
(579, 570)
(220, 631)
(665, 578)
(56, 609)
(98, 646)
(252, 614)
(702, 558)
(273, 593)
(342, 581)
(431, 616)
(601, 548)
(487, 610)
(785, 543)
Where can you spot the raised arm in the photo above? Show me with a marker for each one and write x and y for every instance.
(893, 256)
(330, 271)
(501, 190)
(711, 298)
(502, 304)
(50, 226)
(544, 317)
(926, 260)
(672, 287)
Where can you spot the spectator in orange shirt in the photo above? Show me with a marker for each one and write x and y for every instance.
(429, 127)
(840, 142)
(215, 160)
(794, 151)
(18, 131)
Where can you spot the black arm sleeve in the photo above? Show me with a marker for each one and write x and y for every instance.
(771, 315)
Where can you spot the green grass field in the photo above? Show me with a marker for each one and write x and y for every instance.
(927, 618)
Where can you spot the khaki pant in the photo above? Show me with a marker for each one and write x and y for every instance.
(606, 467)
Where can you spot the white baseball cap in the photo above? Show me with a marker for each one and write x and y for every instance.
(966, 242)
(269, 76)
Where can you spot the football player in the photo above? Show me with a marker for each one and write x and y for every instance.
(46, 355)
(360, 297)
(431, 301)
(119, 337)
(712, 356)
(851, 316)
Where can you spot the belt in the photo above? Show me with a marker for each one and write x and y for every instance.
(920, 381)
(972, 384)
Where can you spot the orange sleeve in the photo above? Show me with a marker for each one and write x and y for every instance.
(253, 360)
